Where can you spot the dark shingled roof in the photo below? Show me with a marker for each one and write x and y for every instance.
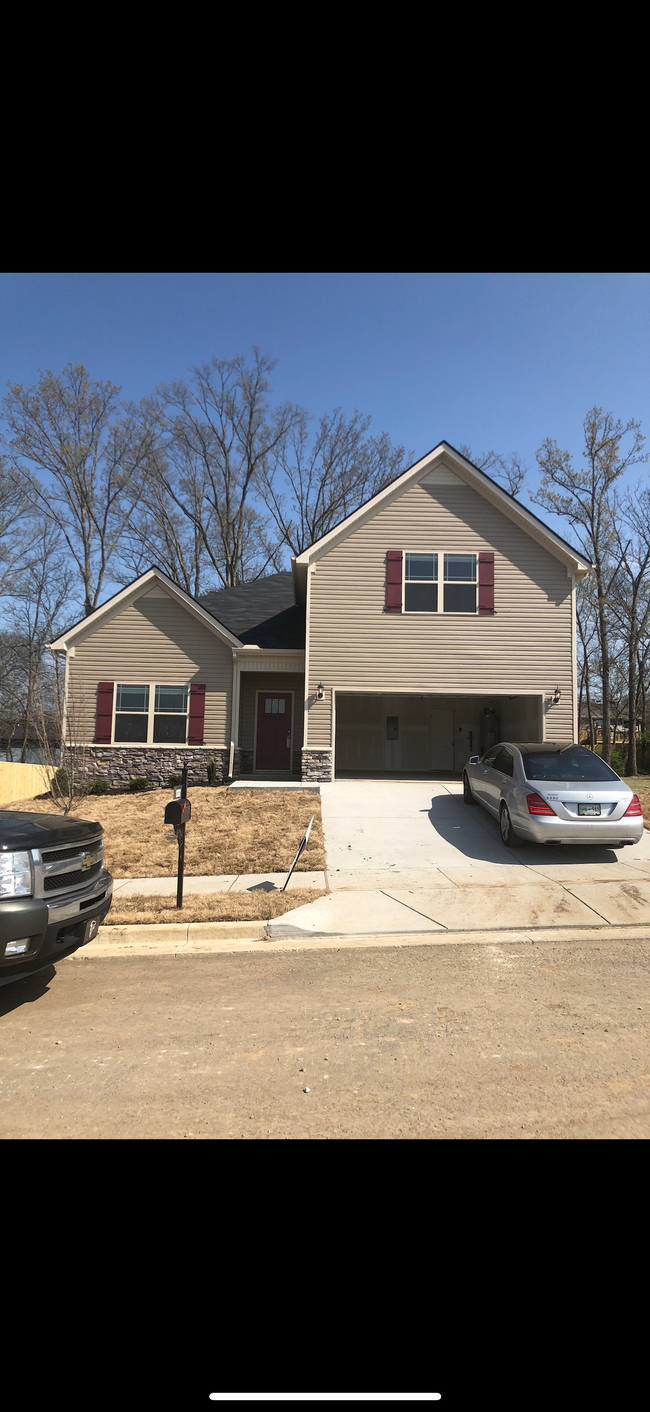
(263, 613)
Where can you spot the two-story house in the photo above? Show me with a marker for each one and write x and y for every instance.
(434, 620)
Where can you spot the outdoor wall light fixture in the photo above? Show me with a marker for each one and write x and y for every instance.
(320, 691)
(556, 695)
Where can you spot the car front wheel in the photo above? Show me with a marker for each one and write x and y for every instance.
(467, 792)
(508, 835)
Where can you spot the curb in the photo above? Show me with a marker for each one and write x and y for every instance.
(221, 938)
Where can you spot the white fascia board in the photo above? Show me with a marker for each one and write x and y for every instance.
(252, 648)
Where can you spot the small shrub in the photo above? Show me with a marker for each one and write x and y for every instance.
(212, 772)
(99, 786)
(138, 784)
(59, 784)
(174, 781)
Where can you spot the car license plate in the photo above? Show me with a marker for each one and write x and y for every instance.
(92, 929)
(589, 809)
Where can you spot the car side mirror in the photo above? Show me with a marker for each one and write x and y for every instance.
(474, 760)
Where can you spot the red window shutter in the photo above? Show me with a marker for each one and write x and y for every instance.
(485, 584)
(104, 720)
(197, 715)
(394, 581)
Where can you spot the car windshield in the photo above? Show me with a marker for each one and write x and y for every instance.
(576, 764)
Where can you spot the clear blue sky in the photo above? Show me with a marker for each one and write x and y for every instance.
(495, 361)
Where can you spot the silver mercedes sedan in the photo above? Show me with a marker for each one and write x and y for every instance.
(553, 793)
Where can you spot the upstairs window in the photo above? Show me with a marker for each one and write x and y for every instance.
(421, 583)
(460, 583)
(422, 591)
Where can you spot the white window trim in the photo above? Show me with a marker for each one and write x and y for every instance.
(440, 581)
(157, 744)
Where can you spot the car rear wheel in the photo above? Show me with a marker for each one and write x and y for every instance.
(467, 792)
(508, 835)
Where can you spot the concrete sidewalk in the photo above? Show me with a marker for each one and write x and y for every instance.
(454, 908)
(219, 882)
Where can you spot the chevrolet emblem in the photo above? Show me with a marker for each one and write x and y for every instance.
(87, 860)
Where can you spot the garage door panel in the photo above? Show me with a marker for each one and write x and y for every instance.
(359, 747)
(442, 739)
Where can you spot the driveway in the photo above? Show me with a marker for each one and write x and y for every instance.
(414, 847)
(374, 827)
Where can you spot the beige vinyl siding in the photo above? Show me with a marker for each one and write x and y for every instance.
(355, 644)
(154, 639)
(251, 683)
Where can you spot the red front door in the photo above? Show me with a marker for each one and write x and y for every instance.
(273, 730)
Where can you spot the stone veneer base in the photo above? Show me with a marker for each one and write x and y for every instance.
(316, 765)
(117, 766)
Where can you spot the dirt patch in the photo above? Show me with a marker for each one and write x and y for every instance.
(231, 831)
(209, 907)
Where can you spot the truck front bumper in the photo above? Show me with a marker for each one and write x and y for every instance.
(54, 929)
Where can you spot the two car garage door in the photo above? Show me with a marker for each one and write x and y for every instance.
(423, 734)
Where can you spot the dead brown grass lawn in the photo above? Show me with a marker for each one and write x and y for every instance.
(209, 907)
(231, 831)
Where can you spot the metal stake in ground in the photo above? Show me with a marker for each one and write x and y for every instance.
(301, 848)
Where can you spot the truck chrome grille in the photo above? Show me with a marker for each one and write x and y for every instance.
(58, 881)
(59, 855)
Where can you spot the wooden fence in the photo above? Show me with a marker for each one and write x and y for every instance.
(23, 781)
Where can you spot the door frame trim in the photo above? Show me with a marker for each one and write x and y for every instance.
(275, 691)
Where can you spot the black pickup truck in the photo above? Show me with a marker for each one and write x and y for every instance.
(54, 889)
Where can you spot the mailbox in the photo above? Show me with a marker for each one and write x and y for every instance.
(178, 811)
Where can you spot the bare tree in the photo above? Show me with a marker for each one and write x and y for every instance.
(60, 724)
(584, 496)
(511, 470)
(41, 595)
(11, 701)
(68, 429)
(14, 538)
(587, 625)
(214, 440)
(630, 598)
(161, 534)
(313, 482)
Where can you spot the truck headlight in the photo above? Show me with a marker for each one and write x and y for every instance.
(15, 875)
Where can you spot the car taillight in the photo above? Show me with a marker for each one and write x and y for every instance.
(634, 809)
(537, 805)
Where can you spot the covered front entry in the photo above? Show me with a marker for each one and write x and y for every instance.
(413, 735)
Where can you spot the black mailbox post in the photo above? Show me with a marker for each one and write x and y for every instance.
(179, 812)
